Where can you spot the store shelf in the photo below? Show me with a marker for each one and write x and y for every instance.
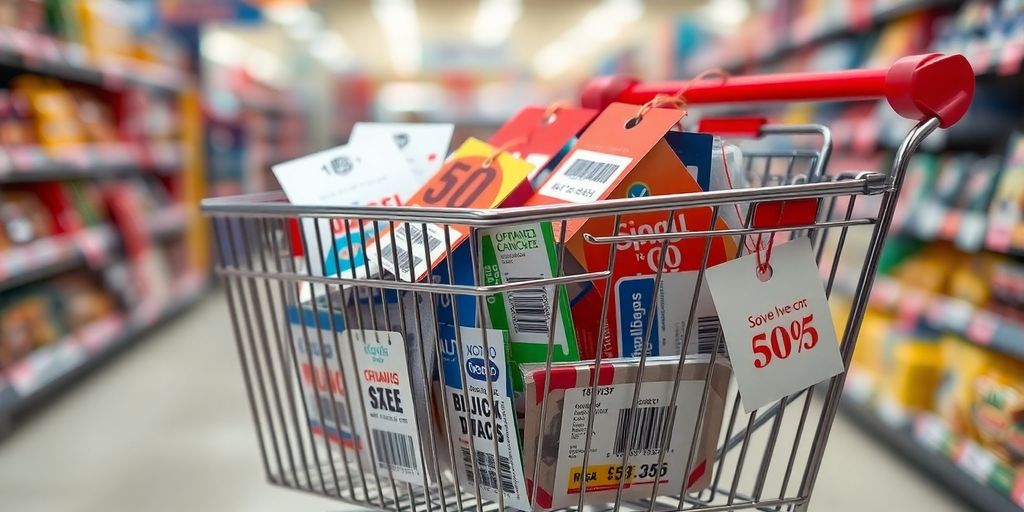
(53, 368)
(32, 163)
(168, 223)
(880, 17)
(947, 314)
(962, 466)
(51, 255)
(41, 54)
(931, 220)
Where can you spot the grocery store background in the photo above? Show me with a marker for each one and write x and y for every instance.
(119, 385)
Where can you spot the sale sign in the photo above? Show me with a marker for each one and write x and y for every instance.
(474, 176)
(778, 326)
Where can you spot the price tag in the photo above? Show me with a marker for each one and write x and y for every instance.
(390, 409)
(423, 145)
(982, 328)
(975, 461)
(477, 423)
(779, 332)
(931, 432)
(464, 181)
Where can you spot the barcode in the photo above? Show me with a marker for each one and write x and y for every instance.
(530, 307)
(416, 236)
(709, 330)
(648, 429)
(589, 170)
(328, 406)
(485, 465)
(394, 449)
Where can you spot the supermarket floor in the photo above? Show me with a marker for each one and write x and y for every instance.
(166, 427)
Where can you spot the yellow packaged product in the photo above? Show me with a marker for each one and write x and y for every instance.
(915, 374)
(961, 363)
(998, 409)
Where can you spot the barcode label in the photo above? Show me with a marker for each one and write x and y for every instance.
(598, 172)
(709, 331)
(394, 449)
(531, 307)
(585, 176)
(412, 265)
(485, 470)
(647, 429)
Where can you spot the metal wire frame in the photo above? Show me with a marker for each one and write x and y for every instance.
(257, 261)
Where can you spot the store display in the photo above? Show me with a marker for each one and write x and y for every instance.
(92, 166)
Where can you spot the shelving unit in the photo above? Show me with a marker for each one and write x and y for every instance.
(960, 465)
(168, 162)
(811, 36)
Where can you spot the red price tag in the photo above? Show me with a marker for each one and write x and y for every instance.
(911, 307)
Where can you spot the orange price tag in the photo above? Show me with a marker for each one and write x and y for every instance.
(472, 177)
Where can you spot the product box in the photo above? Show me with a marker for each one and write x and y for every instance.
(1006, 213)
(519, 253)
(620, 157)
(483, 431)
(563, 431)
(338, 332)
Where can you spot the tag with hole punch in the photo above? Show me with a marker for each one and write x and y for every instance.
(384, 380)
(777, 323)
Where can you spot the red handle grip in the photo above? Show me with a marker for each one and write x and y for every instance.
(917, 87)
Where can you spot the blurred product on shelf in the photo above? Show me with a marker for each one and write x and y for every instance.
(98, 186)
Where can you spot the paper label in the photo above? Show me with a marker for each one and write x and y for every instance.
(423, 145)
(476, 423)
(326, 383)
(519, 253)
(390, 408)
(463, 182)
(585, 176)
(614, 433)
(671, 311)
(344, 176)
(779, 332)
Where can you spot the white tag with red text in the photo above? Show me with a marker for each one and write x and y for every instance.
(779, 332)
(390, 409)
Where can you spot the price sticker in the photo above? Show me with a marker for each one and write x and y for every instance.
(777, 325)
(390, 407)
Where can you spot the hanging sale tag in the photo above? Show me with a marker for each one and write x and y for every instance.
(424, 145)
(779, 331)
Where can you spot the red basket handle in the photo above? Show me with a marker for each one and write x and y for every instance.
(917, 87)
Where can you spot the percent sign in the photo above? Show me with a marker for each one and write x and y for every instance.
(779, 345)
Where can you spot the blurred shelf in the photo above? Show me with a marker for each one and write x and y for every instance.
(168, 223)
(961, 465)
(44, 55)
(21, 164)
(979, 326)
(879, 18)
(48, 256)
(53, 368)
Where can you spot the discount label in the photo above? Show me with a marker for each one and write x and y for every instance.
(778, 330)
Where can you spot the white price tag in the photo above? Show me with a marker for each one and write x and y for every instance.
(424, 145)
(585, 176)
(779, 332)
(345, 176)
(477, 425)
(390, 409)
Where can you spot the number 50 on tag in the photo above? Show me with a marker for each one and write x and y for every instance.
(779, 331)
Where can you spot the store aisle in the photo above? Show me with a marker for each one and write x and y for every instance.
(166, 427)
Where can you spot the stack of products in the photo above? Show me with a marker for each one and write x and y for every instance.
(508, 377)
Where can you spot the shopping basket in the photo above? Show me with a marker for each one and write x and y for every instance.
(294, 322)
